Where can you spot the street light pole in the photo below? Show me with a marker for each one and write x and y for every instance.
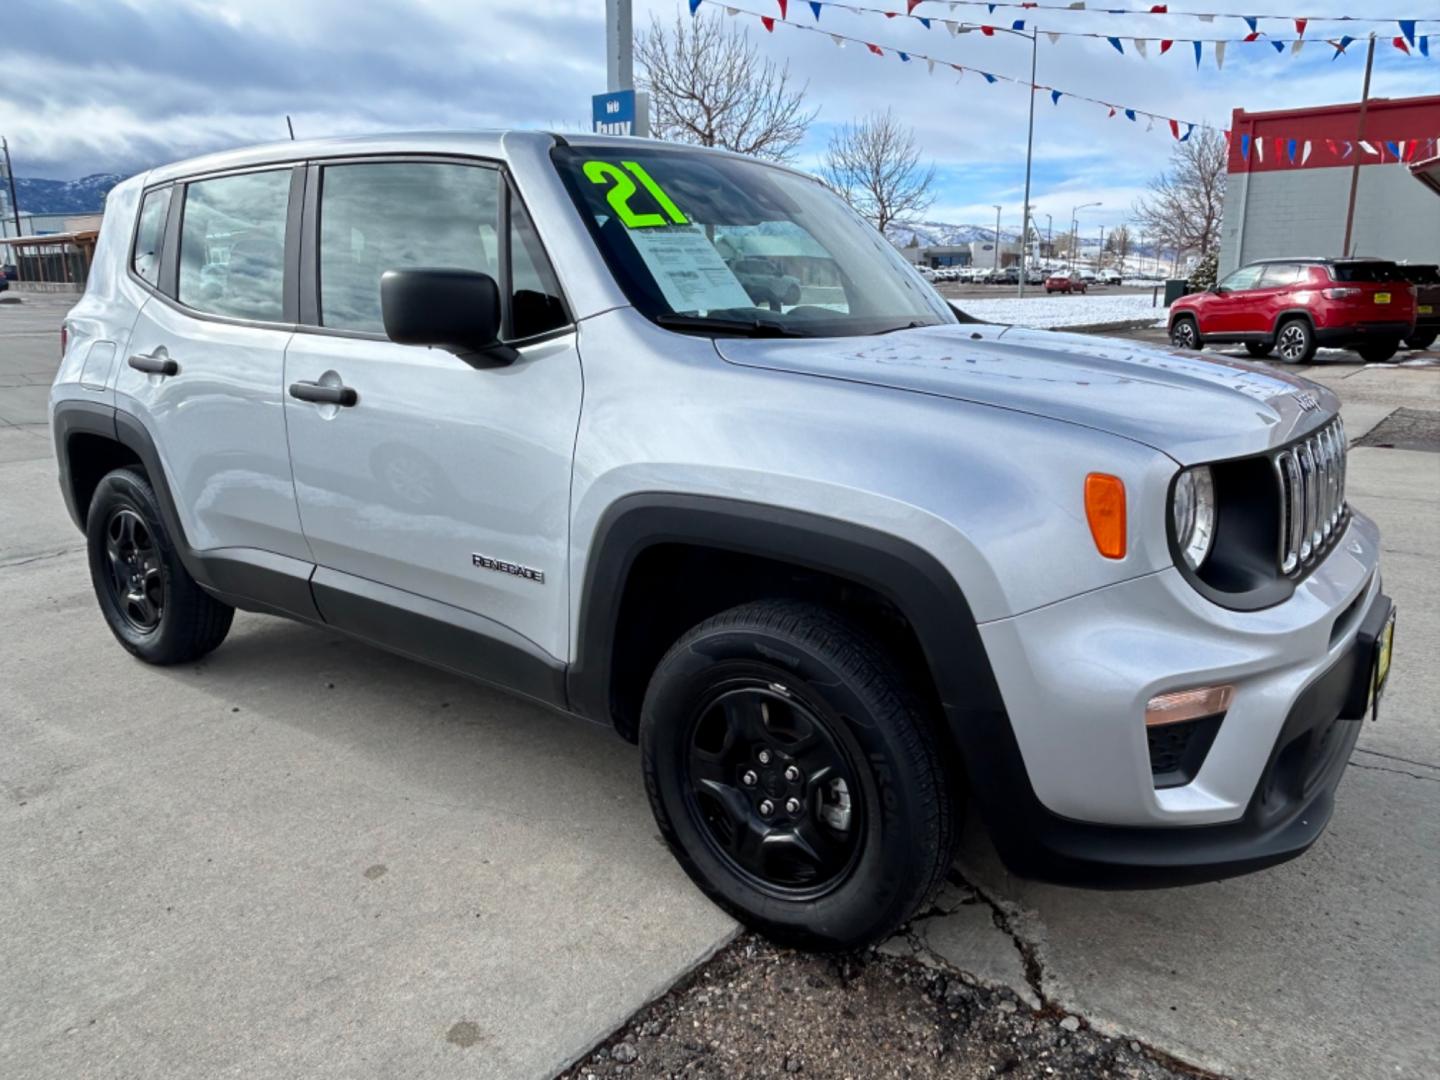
(1075, 229)
(997, 238)
(1029, 153)
(10, 176)
(1050, 236)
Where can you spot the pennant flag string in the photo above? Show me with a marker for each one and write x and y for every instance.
(1156, 9)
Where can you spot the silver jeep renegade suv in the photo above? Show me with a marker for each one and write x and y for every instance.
(671, 440)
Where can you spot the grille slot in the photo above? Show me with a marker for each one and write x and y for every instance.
(1311, 485)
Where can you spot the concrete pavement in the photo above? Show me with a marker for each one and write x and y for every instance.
(306, 857)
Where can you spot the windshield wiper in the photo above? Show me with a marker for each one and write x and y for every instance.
(916, 325)
(739, 327)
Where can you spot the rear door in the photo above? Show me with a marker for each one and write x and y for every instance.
(444, 489)
(1271, 297)
(205, 360)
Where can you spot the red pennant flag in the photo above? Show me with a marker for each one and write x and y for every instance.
(767, 22)
(890, 14)
(1330, 143)
(782, 4)
(1165, 44)
(911, 5)
(1112, 111)
(1159, 9)
(989, 31)
(1300, 25)
(1399, 43)
(1410, 150)
(875, 49)
(1253, 36)
(1175, 128)
(1279, 148)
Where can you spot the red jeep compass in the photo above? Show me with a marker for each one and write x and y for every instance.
(1293, 306)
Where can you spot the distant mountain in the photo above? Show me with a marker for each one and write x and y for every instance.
(83, 196)
(932, 233)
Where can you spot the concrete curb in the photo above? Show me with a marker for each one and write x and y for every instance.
(1110, 327)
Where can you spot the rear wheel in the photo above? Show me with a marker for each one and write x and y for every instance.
(794, 776)
(152, 605)
(1185, 334)
(1422, 340)
(1295, 342)
(1378, 352)
(1259, 348)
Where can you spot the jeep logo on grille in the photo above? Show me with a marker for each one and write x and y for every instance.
(1308, 402)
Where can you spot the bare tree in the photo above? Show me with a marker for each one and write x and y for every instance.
(1186, 203)
(708, 86)
(875, 166)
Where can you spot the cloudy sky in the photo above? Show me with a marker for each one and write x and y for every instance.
(117, 85)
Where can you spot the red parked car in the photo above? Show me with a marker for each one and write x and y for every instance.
(1293, 306)
(1426, 280)
(1064, 283)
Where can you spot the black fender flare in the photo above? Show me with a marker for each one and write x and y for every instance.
(906, 575)
(1290, 313)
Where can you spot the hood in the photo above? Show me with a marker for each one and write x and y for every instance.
(1194, 408)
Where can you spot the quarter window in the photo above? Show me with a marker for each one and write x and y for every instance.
(379, 217)
(1278, 275)
(151, 235)
(232, 245)
(535, 303)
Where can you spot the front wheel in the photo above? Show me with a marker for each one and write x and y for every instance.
(794, 776)
(1378, 352)
(152, 605)
(1184, 334)
(1422, 340)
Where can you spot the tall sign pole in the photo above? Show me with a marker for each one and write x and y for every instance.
(10, 176)
(1347, 251)
(620, 110)
(1029, 151)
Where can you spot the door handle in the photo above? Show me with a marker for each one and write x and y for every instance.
(153, 364)
(324, 395)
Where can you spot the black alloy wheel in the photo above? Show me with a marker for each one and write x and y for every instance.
(136, 579)
(775, 789)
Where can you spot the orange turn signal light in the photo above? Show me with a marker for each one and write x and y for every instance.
(1105, 510)
(1188, 705)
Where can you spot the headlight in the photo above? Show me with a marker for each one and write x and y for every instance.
(1193, 513)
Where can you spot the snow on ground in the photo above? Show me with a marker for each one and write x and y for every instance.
(1049, 311)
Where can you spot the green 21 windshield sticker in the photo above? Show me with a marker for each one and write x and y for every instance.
(623, 189)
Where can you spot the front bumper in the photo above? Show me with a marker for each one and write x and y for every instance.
(1067, 787)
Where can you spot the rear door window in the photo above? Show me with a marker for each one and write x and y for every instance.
(150, 235)
(232, 245)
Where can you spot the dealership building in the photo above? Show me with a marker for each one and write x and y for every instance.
(1288, 188)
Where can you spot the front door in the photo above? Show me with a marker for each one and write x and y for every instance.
(205, 362)
(442, 488)
(1224, 312)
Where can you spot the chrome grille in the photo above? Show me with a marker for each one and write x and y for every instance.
(1311, 477)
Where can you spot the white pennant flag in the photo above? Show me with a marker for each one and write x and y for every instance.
(732, 11)
(1206, 18)
(1219, 54)
(1079, 5)
(1297, 46)
(1053, 36)
(1305, 153)
(1260, 149)
(1151, 125)
(838, 40)
(929, 66)
(1368, 148)
(952, 27)
(1140, 46)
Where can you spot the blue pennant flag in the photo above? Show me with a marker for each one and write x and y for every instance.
(988, 77)
(1424, 44)
(1290, 149)
(694, 6)
(1018, 24)
(1252, 21)
(992, 8)
(923, 21)
(1407, 27)
(904, 56)
(1130, 114)
(1341, 46)
(1245, 147)
(1189, 130)
(1393, 147)
(1118, 47)
(1279, 46)
(1055, 96)
(1199, 48)
(816, 9)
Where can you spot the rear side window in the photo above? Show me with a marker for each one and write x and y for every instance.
(1421, 275)
(1280, 274)
(1365, 271)
(379, 217)
(150, 235)
(232, 245)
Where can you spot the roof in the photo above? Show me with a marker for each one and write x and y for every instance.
(1428, 173)
(77, 237)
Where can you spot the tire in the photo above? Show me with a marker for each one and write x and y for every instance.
(1422, 340)
(1259, 349)
(1295, 341)
(1378, 352)
(795, 681)
(1185, 333)
(152, 605)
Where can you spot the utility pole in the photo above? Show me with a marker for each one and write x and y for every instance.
(1049, 237)
(997, 238)
(619, 46)
(10, 176)
(1347, 250)
(1029, 153)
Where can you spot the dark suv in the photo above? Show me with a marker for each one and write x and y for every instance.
(1293, 306)
(1426, 279)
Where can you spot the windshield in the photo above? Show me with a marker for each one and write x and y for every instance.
(713, 244)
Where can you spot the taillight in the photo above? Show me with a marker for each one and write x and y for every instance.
(1340, 294)
(64, 339)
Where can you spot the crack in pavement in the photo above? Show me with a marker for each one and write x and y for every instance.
(1401, 772)
(1397, 757)
(26, 560)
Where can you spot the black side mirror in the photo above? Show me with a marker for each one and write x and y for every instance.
(454, 310)
(1219, 290)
